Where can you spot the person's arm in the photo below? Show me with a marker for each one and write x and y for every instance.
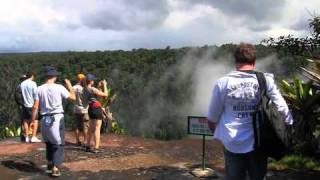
(274, 94)
(212, 125)
(216, 106)
(104, 93)
(34, 90)
(35, 110)
(72, 95)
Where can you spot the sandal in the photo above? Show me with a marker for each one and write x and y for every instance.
(95, 151)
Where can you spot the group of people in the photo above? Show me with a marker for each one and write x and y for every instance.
(234, 97)
(46, 100)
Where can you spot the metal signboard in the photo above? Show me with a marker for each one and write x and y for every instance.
(198, 126)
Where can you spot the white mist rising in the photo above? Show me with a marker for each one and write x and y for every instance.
(207, 71)
(197, 71)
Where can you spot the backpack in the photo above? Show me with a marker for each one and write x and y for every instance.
(271, 134)
(18, 95)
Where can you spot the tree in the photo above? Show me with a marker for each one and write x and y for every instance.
(304, 98)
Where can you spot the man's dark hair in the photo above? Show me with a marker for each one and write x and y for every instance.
(30, 73)
(245, 53)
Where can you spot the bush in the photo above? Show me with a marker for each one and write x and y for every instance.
(295, 162)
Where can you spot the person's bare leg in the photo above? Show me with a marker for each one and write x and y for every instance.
(85, 134)
(26, 129)
(35, 128)
(86, 127)
(91, 131)
(78, 136)
(97, 133)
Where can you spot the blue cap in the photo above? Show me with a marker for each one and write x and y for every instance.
(91, 77)
(52, 71)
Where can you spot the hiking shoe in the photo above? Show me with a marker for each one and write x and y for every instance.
(26, 139)
(55, 172)
(35, 140)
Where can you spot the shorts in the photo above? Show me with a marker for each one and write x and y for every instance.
(82, 121)
(95, 113)
(27, 114)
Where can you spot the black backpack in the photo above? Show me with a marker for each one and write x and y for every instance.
(18, 95)
(271, 134)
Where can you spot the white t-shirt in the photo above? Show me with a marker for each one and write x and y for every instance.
(50, 97)
(28, 90)
(80, 106)
(234, 98)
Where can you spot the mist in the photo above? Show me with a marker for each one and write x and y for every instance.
(208, 71)
(183, 89)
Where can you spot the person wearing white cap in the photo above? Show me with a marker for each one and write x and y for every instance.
(28, 90)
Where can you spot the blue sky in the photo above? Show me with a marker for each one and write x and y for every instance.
(62, 25)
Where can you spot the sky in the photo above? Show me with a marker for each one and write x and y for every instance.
(89, 25)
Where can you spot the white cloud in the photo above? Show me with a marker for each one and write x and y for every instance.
(39, 25)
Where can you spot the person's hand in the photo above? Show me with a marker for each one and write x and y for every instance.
(100, 84)
(68, 83)
(104, 82)
(212, 125)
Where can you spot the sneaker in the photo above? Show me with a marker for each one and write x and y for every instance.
(26, 139)
(49, 169)
(35, 140)
(55, 172)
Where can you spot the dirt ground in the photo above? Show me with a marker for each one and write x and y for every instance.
(123, 157)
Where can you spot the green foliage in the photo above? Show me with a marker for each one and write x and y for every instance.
(168, 131)
(12, 131)
(149, 92)
(295, 162)
(116, 128)
(304, 46)
(313, 71)
(106, 102)
(304, 102)
(133, 76)
(301, 96)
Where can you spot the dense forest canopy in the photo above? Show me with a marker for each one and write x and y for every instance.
(155, 86)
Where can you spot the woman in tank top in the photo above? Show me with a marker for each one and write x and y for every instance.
(95, 110)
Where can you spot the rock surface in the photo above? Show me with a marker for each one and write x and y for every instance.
(123, 157)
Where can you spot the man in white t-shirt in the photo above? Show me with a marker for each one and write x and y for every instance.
(234, 98)
(49, 100)
(81, 111)
(28, 89)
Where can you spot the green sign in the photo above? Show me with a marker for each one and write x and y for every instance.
(198, 126)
